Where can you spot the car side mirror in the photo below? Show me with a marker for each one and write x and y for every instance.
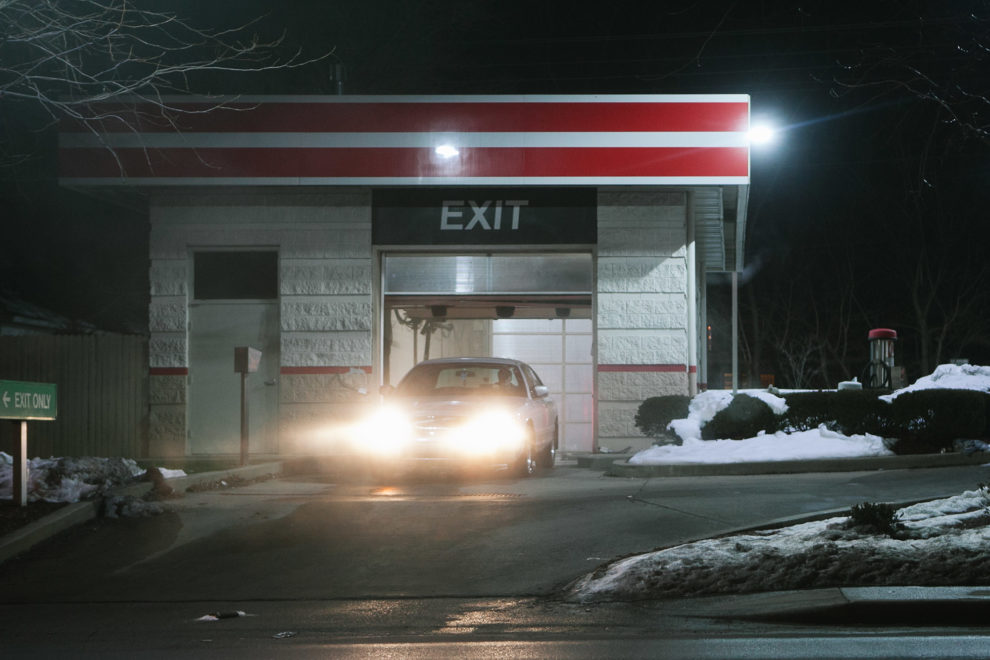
(386, 390)
(541, 391)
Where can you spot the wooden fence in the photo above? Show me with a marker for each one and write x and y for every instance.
(102, 393)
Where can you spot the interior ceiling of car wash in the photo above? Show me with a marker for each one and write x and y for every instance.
(489, 286)
(533, 307)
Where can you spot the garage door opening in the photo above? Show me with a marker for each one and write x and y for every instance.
(531, 307)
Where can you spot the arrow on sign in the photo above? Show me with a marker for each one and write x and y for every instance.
(6, 398)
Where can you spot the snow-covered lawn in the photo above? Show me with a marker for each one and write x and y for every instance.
(944, 543)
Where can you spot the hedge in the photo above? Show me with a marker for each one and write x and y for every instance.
(657, 412)
(744, 417)
(921, 421)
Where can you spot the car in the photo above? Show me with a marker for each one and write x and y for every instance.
(467, 412)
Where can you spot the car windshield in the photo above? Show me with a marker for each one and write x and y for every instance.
(462, 380)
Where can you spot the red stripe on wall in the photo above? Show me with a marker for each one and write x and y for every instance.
(321, 370)
(643, 368)
(169, 371)
(403, 162)
(322, 117)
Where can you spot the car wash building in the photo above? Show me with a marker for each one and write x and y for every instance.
(347, 238)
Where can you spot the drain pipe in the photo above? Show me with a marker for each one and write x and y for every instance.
(692, 300)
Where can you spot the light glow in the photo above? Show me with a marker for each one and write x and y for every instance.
(388, 433)
(446, 151)
(490, 432)
(762, 133)
(384, 433)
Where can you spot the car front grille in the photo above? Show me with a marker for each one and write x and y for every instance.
(432, 424)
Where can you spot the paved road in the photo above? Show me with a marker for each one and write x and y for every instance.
(311, 537)
(350, 562)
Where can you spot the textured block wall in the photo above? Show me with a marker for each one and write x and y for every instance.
(324, 244)
(641, 307)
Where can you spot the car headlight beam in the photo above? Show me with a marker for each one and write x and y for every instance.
(491, 432)
(384, 433)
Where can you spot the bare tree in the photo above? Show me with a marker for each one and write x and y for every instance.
(93, 61)
(936, 53)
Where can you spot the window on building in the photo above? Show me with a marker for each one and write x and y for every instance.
(250, 275)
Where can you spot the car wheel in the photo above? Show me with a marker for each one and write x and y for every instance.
(525, 464)
(549, 453)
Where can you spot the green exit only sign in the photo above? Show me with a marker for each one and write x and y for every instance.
(22, 400)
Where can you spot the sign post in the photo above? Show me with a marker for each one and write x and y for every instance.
(24, 401)
(246, 361)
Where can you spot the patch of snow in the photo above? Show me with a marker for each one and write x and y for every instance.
(706, 405)
(780, 446)
(949, 377)
(72, 479)
(938, 547)
(803, 445)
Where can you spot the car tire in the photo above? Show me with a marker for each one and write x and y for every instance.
(525, 463)
(548, 454)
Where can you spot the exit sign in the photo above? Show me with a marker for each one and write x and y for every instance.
(23, 400)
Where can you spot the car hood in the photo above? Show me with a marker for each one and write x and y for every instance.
(442, 407)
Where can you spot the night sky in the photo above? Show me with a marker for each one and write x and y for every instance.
(873, 197)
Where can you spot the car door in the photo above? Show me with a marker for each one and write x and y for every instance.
(544, 408)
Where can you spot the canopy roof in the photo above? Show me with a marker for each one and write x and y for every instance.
(688, 141)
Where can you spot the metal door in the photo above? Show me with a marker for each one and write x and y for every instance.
(214, 388)
(560, 352)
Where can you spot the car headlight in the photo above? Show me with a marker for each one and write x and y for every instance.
(384, 433)
(490, 432)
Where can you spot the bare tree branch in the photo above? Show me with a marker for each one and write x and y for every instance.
(88, 60)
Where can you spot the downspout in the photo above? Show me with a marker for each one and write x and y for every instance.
(703, 382)
(692, 300)
(735, 331)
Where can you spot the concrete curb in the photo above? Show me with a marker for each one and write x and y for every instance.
(839, 605)
(622, 468)
(72, 515)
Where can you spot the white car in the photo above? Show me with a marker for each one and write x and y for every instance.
(465, 411)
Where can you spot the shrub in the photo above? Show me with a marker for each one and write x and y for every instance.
(808, 410)
(929, 421)
(847, 411)
(876, 517)
(657, 412)
(861, 411)
(743, 418)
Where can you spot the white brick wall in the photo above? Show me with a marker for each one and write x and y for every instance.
(641, 274)
(318, 349)
(642, 346)
(168, 349)
(314, 277)
(167, 390)
(167, 314)
(641, 310)
(169, 277)
(325, 289)
(640, 385)
(641, 306)
(326, 313)
(324, 244)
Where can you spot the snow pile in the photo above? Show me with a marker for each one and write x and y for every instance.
(949, 377)
(706, 405)
(69, 479)
(780, 446)
(943, 543)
